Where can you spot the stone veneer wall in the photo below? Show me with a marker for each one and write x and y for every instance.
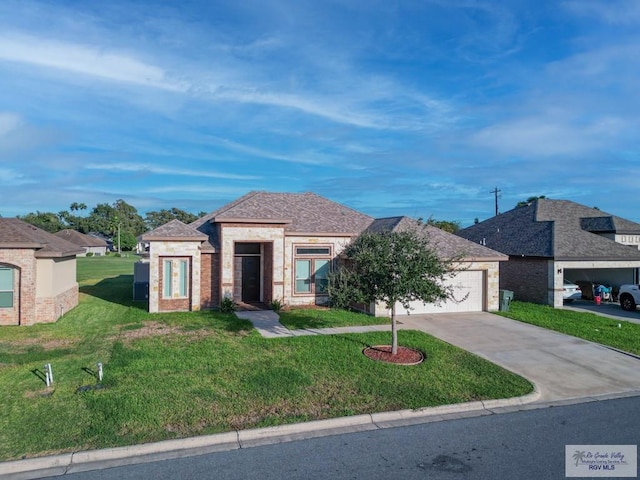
(337, 245)
(161, 250)
(230, 233)
(528, 278)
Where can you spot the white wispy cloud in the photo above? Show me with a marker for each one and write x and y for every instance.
(617, 12)
(83, 59)
(8, 123)
(162, 170)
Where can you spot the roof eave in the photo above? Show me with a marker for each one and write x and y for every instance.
(322, 234)
(169, 238)
(277, 221)
(27, 245)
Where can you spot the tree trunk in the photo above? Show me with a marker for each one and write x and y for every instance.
(394, 331)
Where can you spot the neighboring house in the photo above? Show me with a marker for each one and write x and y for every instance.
(37, 274)
(282, 246)
(548, 241)
(93, 245)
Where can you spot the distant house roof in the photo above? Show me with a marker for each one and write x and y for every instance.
(446, 244)
(174, 230)
(15, 233)
(80, 239)
(297, 212)
(558, 229)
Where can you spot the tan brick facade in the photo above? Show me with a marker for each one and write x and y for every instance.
(43, 291)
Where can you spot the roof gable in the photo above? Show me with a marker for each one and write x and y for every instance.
(174, 230)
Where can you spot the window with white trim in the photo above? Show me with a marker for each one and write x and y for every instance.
(6, 287)
(175, 278)
(311, 273)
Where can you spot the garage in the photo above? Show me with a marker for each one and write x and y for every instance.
(469, 294)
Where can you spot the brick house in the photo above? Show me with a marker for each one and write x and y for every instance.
(281, 246)
(37, 274)
(548, 241)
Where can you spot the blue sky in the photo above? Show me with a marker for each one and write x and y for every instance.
(416, 108)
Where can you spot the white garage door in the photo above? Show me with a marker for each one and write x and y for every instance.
(468, 290)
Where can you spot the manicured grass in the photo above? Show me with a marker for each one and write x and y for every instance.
(184, 374)
(324, 317)
(588, 326)
(97, 268)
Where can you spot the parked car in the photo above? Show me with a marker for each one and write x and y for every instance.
(571, 291)
(629, 296)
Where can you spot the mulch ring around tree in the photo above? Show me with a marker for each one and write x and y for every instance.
(405, 355)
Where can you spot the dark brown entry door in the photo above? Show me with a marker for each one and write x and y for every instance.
(250, 279)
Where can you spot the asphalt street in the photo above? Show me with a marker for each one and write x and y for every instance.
(518, 445)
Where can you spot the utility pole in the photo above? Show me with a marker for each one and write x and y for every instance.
(495, 191)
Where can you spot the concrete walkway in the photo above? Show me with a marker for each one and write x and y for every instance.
(606, 309)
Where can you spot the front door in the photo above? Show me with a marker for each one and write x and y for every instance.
(251, 279)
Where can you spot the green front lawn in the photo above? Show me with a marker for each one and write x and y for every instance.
(325, 317)
(184, 374)
(588, 326)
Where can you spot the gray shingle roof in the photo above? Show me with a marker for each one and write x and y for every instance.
(174, 230)
(15, 233)
(558, 229)
(446, 244)
(299, 212)
(80, 239)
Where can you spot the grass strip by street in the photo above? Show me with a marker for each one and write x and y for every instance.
(184, 374)
(587, 326)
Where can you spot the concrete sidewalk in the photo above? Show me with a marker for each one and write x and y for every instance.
(563, 369)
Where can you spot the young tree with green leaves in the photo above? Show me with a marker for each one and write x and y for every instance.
(393, 268)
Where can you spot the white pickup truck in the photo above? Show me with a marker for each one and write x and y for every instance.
(629, 297)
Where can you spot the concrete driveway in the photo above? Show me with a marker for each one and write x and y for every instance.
(562, 367)
(606, 309)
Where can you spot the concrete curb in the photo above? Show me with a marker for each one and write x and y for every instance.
(169, 449)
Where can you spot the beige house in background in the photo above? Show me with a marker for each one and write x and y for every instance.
(89, 244)
(37, 274)
(281, 246)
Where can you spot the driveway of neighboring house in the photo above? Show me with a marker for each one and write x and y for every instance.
(563, 367)
(605, 309)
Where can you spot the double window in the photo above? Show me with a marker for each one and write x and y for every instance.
(175, 278)
(6, 287)
(312, 267)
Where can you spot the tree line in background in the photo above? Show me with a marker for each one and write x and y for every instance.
(105, 219)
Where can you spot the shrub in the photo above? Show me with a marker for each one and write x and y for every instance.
(89, 254)
(227, 305)
(276, 304)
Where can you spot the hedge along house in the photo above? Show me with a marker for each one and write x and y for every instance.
(548, 241)
(268, 246)
(37, 274)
